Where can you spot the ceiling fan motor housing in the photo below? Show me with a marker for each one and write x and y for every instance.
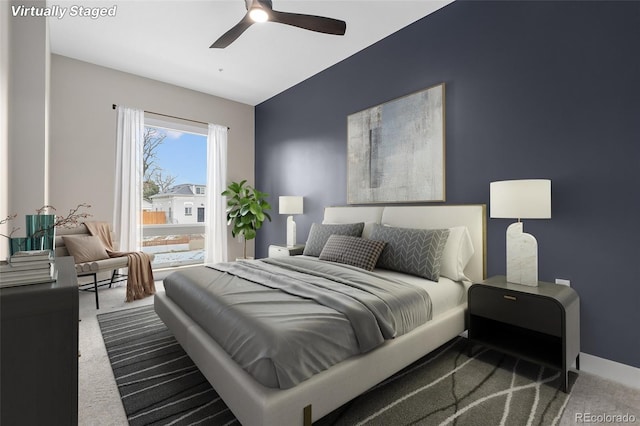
(263, 4)
(264, 7)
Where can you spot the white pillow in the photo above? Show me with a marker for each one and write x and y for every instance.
(456, 254)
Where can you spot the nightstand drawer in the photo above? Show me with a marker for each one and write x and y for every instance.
(516, 308)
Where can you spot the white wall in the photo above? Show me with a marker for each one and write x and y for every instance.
(26, 52)
(83, 130)
(4, 119)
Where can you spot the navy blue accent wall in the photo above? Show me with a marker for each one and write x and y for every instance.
(533, 90)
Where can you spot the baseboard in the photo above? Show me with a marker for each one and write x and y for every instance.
(621, 373)
(611, 370)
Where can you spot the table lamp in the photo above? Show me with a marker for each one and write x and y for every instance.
(290, 205)
(521, 199)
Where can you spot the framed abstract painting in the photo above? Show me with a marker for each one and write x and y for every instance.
(396, 150)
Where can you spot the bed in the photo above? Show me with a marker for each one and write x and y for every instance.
(255, 403)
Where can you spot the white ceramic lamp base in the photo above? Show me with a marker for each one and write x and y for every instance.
(522, 256)
(291, 232)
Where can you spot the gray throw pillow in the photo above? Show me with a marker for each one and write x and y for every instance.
(360, 252)
(411, 251)
(320, 233)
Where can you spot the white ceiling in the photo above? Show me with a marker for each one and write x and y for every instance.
(168, 40)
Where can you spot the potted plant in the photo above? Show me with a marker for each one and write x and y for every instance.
(246, 210)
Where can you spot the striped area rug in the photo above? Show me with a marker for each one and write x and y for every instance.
(158, 382)
(160, 385)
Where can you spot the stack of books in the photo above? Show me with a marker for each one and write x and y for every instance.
(26, 267)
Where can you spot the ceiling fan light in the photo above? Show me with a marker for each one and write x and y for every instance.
(258, 15)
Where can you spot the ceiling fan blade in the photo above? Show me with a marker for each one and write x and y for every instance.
(231, 35)
(310, 22)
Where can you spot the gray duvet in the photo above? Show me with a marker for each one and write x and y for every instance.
(286, 319)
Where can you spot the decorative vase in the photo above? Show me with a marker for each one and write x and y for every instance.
(17, 244)
(42, 231)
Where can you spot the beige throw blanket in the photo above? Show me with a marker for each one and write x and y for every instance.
(140, 283)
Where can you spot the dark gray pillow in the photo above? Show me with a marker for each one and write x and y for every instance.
(411, 251)
(320, 233)
(355, 251)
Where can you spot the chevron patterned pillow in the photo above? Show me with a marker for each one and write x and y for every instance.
(320, 233)
(411, 251)
(355, 251)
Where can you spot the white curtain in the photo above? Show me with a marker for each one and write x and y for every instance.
(128, 191)
(215, 215)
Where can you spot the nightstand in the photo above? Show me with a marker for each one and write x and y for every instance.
(276, 250)
(539, 324)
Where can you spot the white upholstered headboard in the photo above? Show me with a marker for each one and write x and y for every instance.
(473, 216)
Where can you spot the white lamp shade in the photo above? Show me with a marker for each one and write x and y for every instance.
(521, 199)
(290, 204)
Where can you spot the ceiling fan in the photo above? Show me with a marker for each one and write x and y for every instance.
(262, 11)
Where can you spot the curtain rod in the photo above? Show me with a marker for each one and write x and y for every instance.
(114, 106)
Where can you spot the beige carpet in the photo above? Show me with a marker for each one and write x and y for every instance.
(99, 401)
(592, 395)
(98, 397)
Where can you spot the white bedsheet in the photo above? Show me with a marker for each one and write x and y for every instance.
(445, 294)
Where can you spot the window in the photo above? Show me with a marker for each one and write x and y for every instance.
(175, 177)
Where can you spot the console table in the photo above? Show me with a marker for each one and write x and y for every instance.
(39, 350)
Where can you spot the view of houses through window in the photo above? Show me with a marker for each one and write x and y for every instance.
(174, 191)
